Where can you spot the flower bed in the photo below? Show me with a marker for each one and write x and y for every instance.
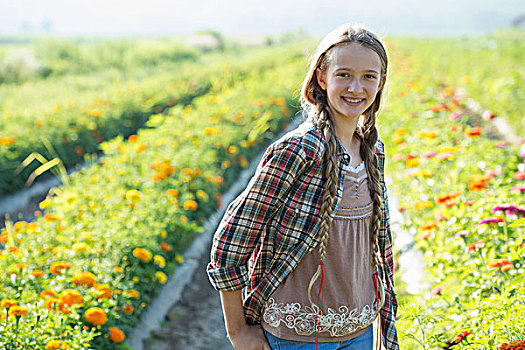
(459, 185)
(82, 273)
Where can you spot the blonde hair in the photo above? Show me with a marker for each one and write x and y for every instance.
(314, 101)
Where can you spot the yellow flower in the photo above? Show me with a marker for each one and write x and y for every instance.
(161, 276)
(190, 205)
(233, 149)
(423, 205)
(160, 261)
(179, 259)
(134, 196)
(183, 219)
(142, 254)
(202, 195)
(400, 131)
(56, 345)
(80, 247)
(163, 234)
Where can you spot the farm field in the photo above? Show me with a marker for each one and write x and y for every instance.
(175, 136)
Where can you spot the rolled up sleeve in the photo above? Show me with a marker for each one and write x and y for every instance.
(246, 217)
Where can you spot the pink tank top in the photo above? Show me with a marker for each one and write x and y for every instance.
(349, 303)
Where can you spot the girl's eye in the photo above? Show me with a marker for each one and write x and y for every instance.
(370, 76)
(344, 75)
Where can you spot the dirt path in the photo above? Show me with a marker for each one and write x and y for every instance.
(196, 322)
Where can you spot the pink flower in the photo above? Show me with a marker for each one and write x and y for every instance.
(461, 233)
(455, 115)
(436, 291)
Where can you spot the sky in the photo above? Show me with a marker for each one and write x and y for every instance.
(254, 17)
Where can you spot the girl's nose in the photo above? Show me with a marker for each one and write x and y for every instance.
(354, 86)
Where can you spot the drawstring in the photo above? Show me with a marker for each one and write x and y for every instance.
(320, 303)
(375, 276)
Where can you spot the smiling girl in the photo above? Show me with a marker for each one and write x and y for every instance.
(303, 256)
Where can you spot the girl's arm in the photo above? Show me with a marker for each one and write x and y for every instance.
(241, 335)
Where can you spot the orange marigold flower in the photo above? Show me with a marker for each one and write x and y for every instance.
(7, 141)
(3, 237)
(104, 288)
(165, 246)
(190, 205)
(118, 269)
(172, 192)
(51, 217)
(20, 266)
(476, 245)
(85, 279)
(47, 293)
(506, 267)
(427, 226)
(133, 138)
(478, 183)
(56, 345)
(71, 297)
(128, 309)
(472, 132)
(116, 335)
(57, 267)
(2, 317)
(8, 303)
(142, 254)
(37, 273)
(17, 311)
(96, 316)
(133, 293)
(19, 225)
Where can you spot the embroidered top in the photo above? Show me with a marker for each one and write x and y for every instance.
(273, 224)
(349, 306)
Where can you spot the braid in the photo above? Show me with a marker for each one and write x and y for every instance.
(367, 151)
(331, 177)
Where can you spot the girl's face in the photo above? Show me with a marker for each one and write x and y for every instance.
(351, 79)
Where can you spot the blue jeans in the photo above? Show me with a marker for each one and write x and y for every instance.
(363, 342)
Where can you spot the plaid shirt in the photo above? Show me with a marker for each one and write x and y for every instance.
(274, 222)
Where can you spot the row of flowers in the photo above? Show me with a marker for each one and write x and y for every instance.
(460, 186)
(75, 123)
(80, 275)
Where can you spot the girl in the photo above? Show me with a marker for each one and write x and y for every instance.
(303, 256)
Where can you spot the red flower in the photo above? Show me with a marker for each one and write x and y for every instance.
(437, 291)
(476, 245)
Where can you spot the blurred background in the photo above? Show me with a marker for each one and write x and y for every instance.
(255, 17)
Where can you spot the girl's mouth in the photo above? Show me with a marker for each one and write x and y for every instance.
(353, 101)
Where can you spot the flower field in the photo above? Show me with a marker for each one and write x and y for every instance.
(79, 276)
(460, 186)
(103, 244)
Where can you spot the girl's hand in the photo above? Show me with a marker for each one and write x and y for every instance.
(249, 337)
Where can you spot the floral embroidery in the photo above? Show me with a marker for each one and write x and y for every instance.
(302, 319)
